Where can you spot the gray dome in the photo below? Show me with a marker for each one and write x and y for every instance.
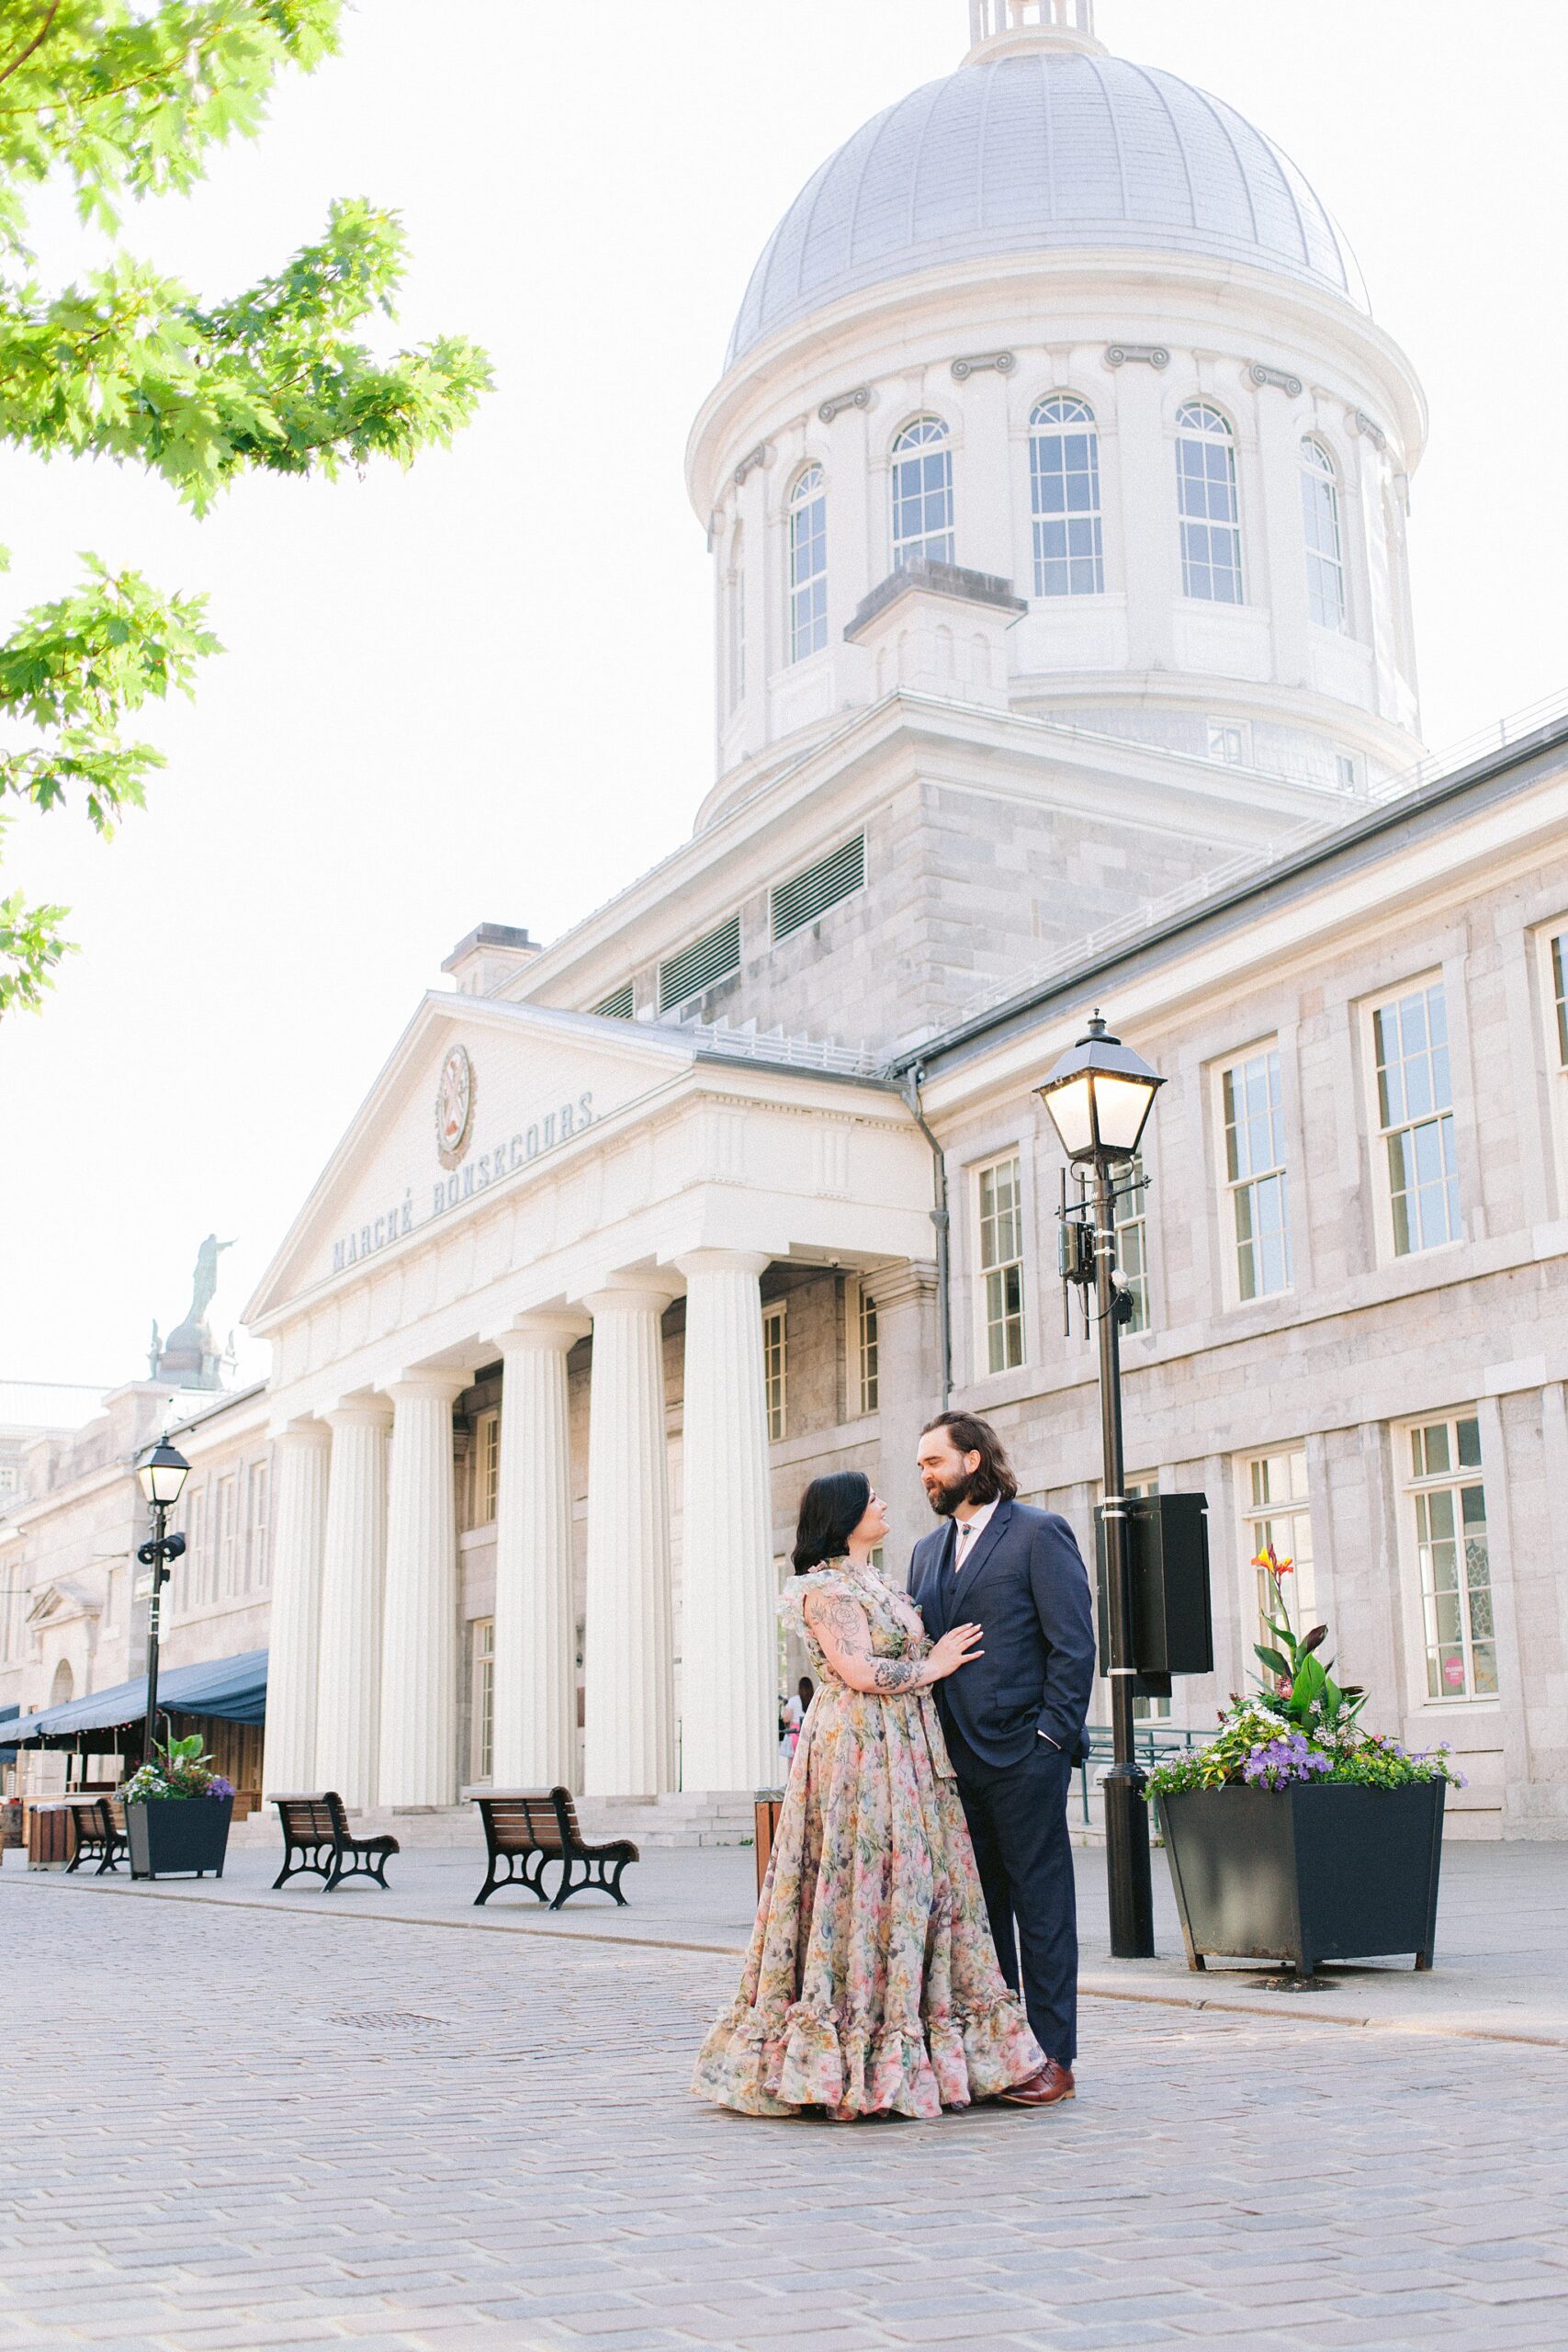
(1048, 151)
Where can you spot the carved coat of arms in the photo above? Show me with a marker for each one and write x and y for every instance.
(455, 1094)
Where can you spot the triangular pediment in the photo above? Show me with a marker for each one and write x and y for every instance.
(477, 1095)
(53, 1604)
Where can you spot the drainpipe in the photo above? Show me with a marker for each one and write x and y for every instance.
(942, 1221)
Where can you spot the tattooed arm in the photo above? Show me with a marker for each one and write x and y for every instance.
(842, 1628)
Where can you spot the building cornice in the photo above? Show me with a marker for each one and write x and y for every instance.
(1247, 915)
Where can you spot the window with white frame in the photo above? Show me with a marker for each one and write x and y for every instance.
(228, 1533)
(1320, 528)
(257, 1497)
(1276, 1515)
(487, 1469)
(775, 1369)
(922, 494)
(1557, 959)
(737, 618)
(1000, 1220)
(481, 1744)
(1447, 1501)
(1253, 1113)
(10, 1478)
(1347, 772)
(198, 1564)
(1132, 1239)
(808, 565)
(1064, 488)
(1207, 505)
(865, 1382)
(1227, 742)
(1415, 1116)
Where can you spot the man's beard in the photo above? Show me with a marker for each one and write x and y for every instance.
(947, 1497)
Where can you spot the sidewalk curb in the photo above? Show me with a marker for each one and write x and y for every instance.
(1090, 1988)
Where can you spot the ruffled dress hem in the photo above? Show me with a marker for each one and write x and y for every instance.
(781, 2065)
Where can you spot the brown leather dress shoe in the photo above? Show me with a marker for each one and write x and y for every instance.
(1052, 2087)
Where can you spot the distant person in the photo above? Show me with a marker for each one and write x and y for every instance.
(871, 1986)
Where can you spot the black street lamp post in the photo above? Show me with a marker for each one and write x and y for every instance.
(1100, 1096)
(161, 1473)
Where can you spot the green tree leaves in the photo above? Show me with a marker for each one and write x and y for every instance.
(131, 365)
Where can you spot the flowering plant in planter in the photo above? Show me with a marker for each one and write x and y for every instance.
(1301, 1725)
(181, 1767)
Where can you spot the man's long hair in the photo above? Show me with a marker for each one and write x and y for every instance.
(994, 1481)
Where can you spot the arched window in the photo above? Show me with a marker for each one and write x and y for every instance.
(1320, 526)
(922, 494)
(807, 565)
(1206, 501)
(737, 618)
(63, 1686)
(1064, 488)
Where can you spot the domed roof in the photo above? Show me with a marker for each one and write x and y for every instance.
(1045, 150)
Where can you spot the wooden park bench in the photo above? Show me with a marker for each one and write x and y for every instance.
(526, 1829)
(99, 1827)
(315, 1828)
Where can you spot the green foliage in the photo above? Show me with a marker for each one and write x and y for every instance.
(179, 1768)
(131, 365)
(1300, 1727)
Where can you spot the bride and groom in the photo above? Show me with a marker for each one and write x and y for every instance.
(915, 1943)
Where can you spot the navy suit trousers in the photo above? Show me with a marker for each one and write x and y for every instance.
(1018, 1825)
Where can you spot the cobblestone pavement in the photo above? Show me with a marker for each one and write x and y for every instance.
(232, 2128)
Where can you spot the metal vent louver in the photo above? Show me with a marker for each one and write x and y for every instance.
(835, 876)
(698, 966)
(620, 1007)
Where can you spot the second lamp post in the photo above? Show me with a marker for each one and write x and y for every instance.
(161, 1473)
(1100, 1096)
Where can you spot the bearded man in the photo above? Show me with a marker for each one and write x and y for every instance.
(1014, 1718)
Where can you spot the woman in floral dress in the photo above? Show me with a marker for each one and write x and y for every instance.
(871, 1986)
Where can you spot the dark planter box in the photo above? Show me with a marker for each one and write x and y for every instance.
(173, 1833)
(1305, 1873)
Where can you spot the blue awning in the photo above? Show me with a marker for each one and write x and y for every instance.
(231, 1688)
(8, 1715)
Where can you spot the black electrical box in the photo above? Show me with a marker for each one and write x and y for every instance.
(1173, 1630)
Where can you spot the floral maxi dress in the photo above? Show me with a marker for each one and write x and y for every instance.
(871, 1985)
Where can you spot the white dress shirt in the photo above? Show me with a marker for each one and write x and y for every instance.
(969, 1533)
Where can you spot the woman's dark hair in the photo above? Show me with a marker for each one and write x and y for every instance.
(830, 1510)
(994, 1481)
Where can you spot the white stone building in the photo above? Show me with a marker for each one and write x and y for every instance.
(1055, 484)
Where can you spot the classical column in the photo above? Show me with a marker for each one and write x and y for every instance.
(908, 1335)
(536, 1649)
(419, 1640)
(301, 1456)
(628, 1696)
(728, 1602)
(349, 1672)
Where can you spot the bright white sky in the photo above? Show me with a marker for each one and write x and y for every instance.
(482, 690)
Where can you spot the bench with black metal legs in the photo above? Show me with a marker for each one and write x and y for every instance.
(315, 1829)
(526, 1829)
(99, 1825)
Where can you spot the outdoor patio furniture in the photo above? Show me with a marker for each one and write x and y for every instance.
(315, 1828)
(100, 1837)
(526, 1829)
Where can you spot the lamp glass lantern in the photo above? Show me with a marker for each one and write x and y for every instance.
(162, 1472)
(1100, 1096)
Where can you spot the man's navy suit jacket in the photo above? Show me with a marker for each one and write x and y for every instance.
(1025, 1583)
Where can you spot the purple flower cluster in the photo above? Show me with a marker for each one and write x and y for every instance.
(219, 1787)
(1283, 1760)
